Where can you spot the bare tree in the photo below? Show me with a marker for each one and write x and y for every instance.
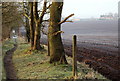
(38, 22)
(57, 53)
(37, 19)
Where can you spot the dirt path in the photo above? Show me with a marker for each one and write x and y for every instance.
(8, 64)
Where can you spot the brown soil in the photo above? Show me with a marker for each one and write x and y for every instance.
(8, 64)
(104, 62)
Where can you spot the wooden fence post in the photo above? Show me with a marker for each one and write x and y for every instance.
(74, 50)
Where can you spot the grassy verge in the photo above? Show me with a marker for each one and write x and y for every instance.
(6, 45)
(35, 65)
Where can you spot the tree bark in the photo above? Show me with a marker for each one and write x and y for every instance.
(37, 33)
(57, 53)
(37, 36)
(48, 52)
(27, 27)
(31, 22)
(27, 32)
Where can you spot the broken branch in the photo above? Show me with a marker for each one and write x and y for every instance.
(66, 19)
(57, 32)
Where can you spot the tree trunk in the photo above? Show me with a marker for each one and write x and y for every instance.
(37, 36)
(26, 10)
(31, 22)
(38, 22)
(48, 52)
(37, 33)
(27, 30)
(57, 53)
(28, 35)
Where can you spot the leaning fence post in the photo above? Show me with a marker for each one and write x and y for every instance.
(74, 49)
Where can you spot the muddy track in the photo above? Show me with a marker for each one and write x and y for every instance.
(8, 64)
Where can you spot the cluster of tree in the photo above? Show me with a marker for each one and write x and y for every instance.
(33, 16)
(11, 18)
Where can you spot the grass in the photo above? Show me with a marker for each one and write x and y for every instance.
(6, 45)
(35, 65)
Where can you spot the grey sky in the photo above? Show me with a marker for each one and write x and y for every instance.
(89, 8)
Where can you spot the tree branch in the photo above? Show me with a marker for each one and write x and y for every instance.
(47, 12)
(25, 11)
(68, 21)
(57, 32)
(46, 20)
(65, 20)
(49, 6)
(39, 11)
(26, 16)
(43, 12)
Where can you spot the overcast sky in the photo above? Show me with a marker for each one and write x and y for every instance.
(89, 8)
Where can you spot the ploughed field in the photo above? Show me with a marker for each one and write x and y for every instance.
(101, 57)
(97, 44)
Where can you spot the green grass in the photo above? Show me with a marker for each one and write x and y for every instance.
(35, 65)
(6, 45)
